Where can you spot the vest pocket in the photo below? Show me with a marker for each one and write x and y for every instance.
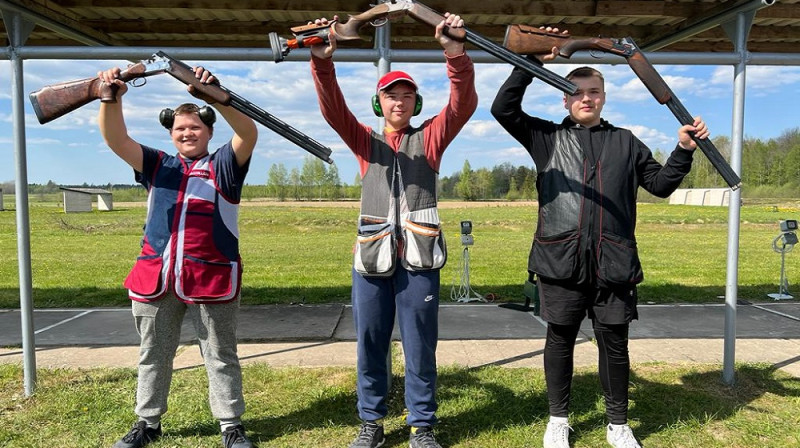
(200, 279)
(618, 260)
(555, 256)
(424, 247)
(146, 279)
(375, 251)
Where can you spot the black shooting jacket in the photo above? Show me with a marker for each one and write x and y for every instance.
(587, 183)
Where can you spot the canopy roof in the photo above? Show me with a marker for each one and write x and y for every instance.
(246, 23)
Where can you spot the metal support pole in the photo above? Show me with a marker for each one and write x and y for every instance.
(383, 36)
(783, 290)
(739, 35)
(18, 30)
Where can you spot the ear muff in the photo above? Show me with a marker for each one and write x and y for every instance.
(207, 116)
(376, 106)
(418, 105)
(167, 118)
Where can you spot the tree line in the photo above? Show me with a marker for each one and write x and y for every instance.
(770, 168)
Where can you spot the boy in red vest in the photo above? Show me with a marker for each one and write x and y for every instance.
(190, 259)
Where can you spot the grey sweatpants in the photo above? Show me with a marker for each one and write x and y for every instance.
(159, 325)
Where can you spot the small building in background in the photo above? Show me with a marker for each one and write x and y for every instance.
(701, 196)
(80, 199)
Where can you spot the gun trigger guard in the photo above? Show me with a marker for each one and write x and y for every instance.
(138, 82)
(379, 22)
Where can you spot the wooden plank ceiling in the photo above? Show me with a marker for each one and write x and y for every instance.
(246, 23)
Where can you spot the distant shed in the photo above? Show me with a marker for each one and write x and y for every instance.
(701, 196)
(80, 199)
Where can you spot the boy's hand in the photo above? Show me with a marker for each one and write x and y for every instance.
(451, 47)
(111, 77)
(554, 51)
(324, 51)
(205, 77)
(698, 128)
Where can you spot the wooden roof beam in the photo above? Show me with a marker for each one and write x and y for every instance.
(705, 21)
(58, 22)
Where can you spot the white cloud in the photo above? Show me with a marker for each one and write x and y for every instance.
(483, 129)
(516, 155)
(761, 79)
(653, 138)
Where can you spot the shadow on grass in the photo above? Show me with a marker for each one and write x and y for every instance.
(703, 396)
(699, 396)
(90, 297)
(486, 400)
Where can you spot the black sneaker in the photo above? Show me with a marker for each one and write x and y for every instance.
(369, 436)
(139, 436)
(234, 437)
(422, 437)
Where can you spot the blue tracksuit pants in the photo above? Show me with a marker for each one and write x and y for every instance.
(413, 297)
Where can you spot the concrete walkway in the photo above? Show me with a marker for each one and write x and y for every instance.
(470, 335)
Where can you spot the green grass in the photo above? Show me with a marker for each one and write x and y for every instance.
(671, 406)
(304, 254)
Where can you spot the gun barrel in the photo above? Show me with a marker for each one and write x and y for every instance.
(664, 95)
(279, 127)
(518, 61)
(426, 15)
(714, 156)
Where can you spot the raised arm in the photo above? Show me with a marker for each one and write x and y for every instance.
(507, 105)
(245, 133)
(112, 123)
(331, 100)
(444, 127)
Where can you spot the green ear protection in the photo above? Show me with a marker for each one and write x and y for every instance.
(207, 116)
(376, 106)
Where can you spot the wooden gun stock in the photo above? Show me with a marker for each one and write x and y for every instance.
(524, 39)
(377, 15)
(51, 102)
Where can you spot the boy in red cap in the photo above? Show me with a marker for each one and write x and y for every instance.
(400, 247)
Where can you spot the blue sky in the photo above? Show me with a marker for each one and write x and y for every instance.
(70, 150)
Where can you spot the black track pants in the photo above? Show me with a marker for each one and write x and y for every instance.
(613, 362)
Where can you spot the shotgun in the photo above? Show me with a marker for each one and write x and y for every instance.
(378, 15)
(51, 102)
(523, 39)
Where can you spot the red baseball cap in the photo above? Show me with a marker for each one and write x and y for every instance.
(394, 77)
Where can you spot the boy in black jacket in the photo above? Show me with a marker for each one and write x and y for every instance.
(584, 249)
